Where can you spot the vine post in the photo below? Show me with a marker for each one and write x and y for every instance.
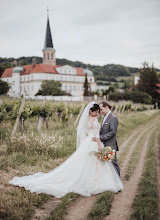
(40, 118)
(18, 118)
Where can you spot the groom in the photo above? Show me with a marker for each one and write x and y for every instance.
(109, 129)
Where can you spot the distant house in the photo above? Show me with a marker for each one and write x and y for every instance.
(26, 80)
(136, 79)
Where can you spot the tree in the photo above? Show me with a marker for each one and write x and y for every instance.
(148, 81)
(86, 87)
(2, 69)
(50, 87)
(4, 87)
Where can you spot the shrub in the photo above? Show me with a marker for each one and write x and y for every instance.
(134, 96)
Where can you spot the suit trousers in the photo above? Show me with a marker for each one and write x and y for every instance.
(115, 163)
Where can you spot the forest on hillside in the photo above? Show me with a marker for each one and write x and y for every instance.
(108, 70)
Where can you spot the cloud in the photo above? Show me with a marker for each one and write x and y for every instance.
(100, 32)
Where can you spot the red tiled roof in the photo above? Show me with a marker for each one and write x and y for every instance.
(7, 72)
(79, 71)
(39, 68)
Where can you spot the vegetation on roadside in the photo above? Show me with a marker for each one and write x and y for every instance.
(145, 204)
(60, 210)
(102, 206)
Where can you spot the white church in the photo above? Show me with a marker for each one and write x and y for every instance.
(26, 80)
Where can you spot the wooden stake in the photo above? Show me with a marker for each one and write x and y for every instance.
(40, 118)
(18, 117)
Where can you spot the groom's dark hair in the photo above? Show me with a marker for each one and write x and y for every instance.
(95, 107)
(106, 104)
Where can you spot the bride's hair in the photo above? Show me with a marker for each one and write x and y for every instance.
(95, 107)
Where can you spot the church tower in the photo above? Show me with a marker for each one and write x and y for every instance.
(49, 51)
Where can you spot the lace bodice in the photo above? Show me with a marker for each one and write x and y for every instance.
(93, 128)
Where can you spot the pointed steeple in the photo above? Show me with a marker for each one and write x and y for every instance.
(48, 39)
(48, 51)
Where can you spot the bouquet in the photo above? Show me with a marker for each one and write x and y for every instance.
(104, 154)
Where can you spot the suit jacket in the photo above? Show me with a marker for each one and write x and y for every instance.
(108, 131)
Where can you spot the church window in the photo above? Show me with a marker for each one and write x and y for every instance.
(48, 56)
(51, 56)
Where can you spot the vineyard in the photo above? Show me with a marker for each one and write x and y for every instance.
(46, 136)
(48, 110)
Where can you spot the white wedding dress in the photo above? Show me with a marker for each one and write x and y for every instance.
(81, 173)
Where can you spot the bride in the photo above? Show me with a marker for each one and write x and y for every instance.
(81, 173)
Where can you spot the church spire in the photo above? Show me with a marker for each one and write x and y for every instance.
(48, 51)
(48, 39)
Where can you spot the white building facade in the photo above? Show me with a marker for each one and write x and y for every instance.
(27, 80)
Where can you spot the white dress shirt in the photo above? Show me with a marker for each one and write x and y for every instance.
(105, 117)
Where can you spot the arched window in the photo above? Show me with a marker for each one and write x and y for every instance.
(47, 56)
(51, 56)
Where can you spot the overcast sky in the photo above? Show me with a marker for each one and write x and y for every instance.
(92, 31)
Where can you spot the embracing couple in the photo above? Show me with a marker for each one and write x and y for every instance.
(82, 173)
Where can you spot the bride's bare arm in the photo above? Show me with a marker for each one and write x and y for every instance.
(98, 142)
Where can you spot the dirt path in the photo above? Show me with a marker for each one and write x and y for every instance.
(158, 169)
(79, 210)
(125, 163)
(122, 204)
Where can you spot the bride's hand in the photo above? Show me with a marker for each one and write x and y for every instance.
(94, 139)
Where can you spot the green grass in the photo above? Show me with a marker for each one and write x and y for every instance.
(60, 210)
(145, 205)
(129, 122)
(19, 204)
(101, 207)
